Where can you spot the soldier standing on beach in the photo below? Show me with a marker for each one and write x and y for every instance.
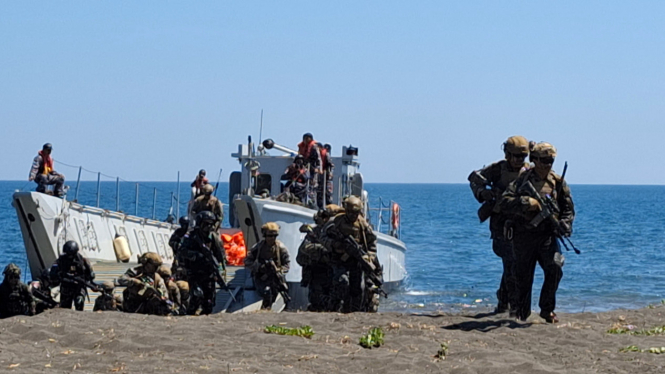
(535, 237)
(267, 260)
(314, 258)
(349, 283)
(75, 275)
(487, 185)
(15, 297)
(204, 260)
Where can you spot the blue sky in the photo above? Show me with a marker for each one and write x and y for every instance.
(428, 90)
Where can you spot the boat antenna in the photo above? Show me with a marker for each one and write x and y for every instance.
(261, 128)
(217, 184)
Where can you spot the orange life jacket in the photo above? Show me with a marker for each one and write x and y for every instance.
(306, 149)
(47, 163)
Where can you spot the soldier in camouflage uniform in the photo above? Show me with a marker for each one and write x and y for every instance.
(535, 241)
(487, 185)
(173, 289)
(199, 248)
(73, 270)
(349, 288)
(15, 297)
(267, 252)
(107, 301)
(146, 292)
(174, 242)
(314, 258)
(209, 203)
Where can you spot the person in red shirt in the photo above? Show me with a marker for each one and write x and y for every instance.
(199, 182)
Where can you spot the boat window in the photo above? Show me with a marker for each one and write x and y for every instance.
(263, 183)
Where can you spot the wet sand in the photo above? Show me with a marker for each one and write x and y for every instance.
(110, 342)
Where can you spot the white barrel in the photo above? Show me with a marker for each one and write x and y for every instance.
(121, 247)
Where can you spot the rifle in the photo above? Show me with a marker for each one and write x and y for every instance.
(485, 211)
(547, 212)
(358, 252)
(45, 296)
(277, 279)
(219, 277)
(80, 282)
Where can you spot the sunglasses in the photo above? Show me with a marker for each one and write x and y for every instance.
(519, 156)
(546, 160)
(271, 235)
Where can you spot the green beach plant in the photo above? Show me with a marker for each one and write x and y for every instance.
(373, 338)
(304, 331)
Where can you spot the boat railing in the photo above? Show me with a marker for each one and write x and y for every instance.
(139, 201)
(386, 218)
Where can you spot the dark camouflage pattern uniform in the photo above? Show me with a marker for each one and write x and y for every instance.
(255, 261)
(200, 276)
(348, 282)
(499, 174)
(71, 292)
(539, 244)
(15, 300)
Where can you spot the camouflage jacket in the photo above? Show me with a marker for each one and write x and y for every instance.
(261, 252)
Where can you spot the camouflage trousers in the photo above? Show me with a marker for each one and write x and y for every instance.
(266, 290)
(319, 287)
(75, 295)
(506, 292)
(531, 249)
(55, 179)
(348, 288)
(202, 293)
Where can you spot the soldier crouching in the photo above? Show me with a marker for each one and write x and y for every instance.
(146, 292)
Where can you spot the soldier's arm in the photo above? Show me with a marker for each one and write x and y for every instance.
(89, 273)
(512, 202)
(284, 259)
(371, 241)
(127, 279)
(35, 168)
(218, 249)
(566, 205)
(219, 212)
(478, 185)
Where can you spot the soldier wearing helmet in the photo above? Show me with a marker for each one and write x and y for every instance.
(487, 185)
(15, 297)
(298, 180)
(73, 272)
(209, 203)
(203, 257)
(314, 258)
(533, 240)
(107, 301)
(146, 292)
(351, 291)
(43, 173)
(268, 252)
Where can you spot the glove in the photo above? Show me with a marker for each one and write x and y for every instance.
(534, 205)
(486, 195)
(566, 229)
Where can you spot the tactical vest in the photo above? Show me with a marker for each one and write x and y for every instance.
(16, 302)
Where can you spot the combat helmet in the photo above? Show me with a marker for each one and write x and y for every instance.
(207, 189)
(107, 286)
(517, 145)
(184, 221)
(70, 247)
(151, 258)
(12, 269)
(270, 228)
(543, 149)
(353, 205)
(164, 272)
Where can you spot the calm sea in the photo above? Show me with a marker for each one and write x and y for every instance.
(619, 229)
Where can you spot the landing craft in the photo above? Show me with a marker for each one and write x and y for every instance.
(47, 222)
